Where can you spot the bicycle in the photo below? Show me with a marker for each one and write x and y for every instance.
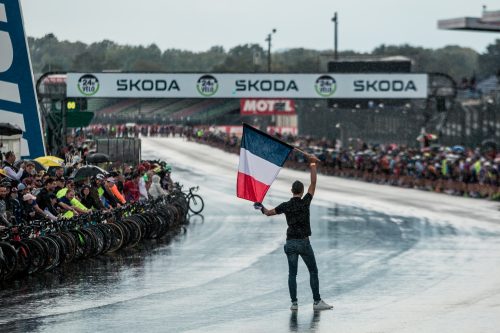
(195, 202)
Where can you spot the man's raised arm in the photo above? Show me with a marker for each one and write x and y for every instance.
(312, 165)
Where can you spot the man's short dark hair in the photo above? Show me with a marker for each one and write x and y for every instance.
(9, 154)
(297, 187)
(49, 180)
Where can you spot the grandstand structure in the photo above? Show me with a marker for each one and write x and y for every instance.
(488, 22)
(374, 121)
(475, 117)
(164, 111)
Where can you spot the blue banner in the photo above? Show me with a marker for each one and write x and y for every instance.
(18, 104)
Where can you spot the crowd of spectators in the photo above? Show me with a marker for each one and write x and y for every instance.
(456, 170)
(135, 130)
(28, 194)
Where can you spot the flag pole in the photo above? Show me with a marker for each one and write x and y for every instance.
(300, 151)
(278, 139)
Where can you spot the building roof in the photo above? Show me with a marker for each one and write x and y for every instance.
(489, 21)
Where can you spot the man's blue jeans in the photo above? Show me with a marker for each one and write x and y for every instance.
(302, 247)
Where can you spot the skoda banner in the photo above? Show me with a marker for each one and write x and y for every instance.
(172, 85)
(18, 104)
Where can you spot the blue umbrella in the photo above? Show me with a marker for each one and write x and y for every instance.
(458, 149)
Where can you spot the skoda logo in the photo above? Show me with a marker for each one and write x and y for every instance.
(88, 85)
(207, 85)
(325, 85)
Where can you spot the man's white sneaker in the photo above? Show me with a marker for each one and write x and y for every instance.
(294, 306)
(321, 305)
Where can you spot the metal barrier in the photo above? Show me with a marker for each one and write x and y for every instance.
(125, 150)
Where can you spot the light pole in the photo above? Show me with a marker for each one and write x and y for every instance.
(268, 40)
(341, 133)
(335, 21)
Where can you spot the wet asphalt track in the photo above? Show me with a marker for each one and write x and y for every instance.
(387, 266)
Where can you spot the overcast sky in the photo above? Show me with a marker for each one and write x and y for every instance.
(197, 25)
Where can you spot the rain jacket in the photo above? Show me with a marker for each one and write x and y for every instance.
(156, 190)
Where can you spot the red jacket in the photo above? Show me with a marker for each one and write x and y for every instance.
(131, 191)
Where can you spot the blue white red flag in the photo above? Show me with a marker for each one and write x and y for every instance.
(261, 159)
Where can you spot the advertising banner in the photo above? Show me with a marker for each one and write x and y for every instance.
(266, 107)
(238, 130)
(18, 104)
(174, 85)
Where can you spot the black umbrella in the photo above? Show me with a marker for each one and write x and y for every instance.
(488, 145)
(88, 171)
(98, 158)
(9, 129)
(38, 165)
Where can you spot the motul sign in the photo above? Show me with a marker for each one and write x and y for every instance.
(252, 107)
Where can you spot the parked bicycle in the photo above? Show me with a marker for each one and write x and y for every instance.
(43, 245)
(195, 202)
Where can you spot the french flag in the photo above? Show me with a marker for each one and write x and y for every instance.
(261, 159)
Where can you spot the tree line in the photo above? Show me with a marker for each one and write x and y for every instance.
(48, 53)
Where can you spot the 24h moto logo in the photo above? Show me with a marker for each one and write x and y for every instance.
(88, 85)
(207, 85)
(325, 85)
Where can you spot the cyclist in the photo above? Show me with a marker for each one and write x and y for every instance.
(143, 192)
(155, 190)
(131, 188)
(88, 200)
(107, 194)
(96, 190)
(43, 197)
(75, 207)
(14, 205)
(3, 205)
(29, 203)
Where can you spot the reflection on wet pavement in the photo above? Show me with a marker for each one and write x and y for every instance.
(295, 326)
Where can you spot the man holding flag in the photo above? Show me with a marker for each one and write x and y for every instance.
(261, 159)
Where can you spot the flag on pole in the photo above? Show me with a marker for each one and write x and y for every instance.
(261, 159)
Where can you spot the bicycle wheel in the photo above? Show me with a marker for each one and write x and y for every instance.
(23, 258)
(53, 258)
(8, 256)
(117, 237)
(196, 204)
(38, 255)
